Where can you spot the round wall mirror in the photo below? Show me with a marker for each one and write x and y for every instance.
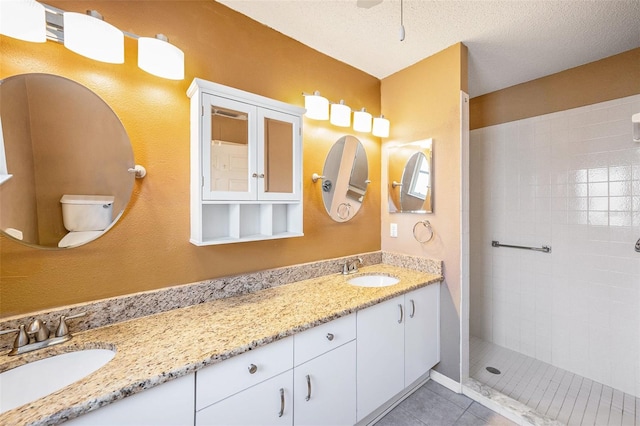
(346, 177)
(64, 162)
(410, 180)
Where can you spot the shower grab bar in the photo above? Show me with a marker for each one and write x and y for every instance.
(545, 249)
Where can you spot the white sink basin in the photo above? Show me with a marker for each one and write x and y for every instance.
(373, 281)
(32, 381)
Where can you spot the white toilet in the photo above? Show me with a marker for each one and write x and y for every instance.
(86, 217)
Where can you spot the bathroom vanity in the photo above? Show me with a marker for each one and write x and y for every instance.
(294, 354)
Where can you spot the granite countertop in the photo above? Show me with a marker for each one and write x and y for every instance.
(156, 348)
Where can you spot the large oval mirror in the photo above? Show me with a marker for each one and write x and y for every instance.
(346, 177)
(409, 174)
(67, 159)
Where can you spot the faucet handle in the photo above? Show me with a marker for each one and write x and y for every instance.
(21, 339)
(62, 329)
(39, 330)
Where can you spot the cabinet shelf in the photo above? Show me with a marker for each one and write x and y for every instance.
(224, 223)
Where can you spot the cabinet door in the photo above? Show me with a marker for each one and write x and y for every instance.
(228, 149)
(279, 154)
(380, 354)
(168, 404)
(268, 403)
(422, 332)
(325, 389)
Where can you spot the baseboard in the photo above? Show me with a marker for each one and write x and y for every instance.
(445, 381)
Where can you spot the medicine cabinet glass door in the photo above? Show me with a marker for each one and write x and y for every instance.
(249, 152)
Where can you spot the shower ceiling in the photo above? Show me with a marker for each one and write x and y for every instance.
(509, 42)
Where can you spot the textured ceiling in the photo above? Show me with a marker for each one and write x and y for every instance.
(509, 42)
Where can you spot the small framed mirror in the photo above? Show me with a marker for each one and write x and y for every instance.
(345, 178)
(410, 177)
(69, 160)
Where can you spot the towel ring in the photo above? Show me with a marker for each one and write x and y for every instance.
(345, 208)
(427, 225)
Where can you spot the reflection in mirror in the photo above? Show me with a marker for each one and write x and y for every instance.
(346, 177)
(229, 150)
(69, 156)
(410, 178)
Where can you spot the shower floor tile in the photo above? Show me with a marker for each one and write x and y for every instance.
(552, 392)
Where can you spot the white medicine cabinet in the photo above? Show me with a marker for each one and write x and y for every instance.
(246, 166)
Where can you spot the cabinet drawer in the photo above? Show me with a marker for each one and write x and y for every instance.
(318, 340)
(233, 375)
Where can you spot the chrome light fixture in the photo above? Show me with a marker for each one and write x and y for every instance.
(24, 20)
(362, 121)
(317, 106)
(635, 122)
(340, 114)
(160, 58)
(380, 127)
(89, 35)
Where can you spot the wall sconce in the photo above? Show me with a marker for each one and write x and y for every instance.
(160, 58)
(362, 121)
(317, 106)
(340, 114)
(90, 36)
(380, 127)
(24, 20)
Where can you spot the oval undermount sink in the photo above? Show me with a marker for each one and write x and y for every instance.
(36, 379)
(373, 281)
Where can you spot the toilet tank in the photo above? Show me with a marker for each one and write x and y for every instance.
(87, 212)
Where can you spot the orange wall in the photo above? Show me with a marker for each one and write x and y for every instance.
(149, 248)
(610, 78)
(424, 102)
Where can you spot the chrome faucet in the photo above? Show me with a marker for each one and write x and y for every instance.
(37, 335)
(351, 267)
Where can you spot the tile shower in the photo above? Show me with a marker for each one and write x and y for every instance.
(570, 180)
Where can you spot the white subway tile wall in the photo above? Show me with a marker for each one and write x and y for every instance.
(570, 180)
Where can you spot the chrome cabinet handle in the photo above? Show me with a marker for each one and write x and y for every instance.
(413, 308)
(261, 175)
(255, 175)
(281, 402)
(401, 313)
(308, 388)
(253, 368)
(330, 336)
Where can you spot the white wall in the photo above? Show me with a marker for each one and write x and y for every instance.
(570, 180)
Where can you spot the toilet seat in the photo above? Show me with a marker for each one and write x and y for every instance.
(73, 239)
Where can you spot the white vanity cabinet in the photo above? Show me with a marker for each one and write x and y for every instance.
(398, 342)
(168, 404)
(255, 387)
(325, 374)
(421, 332)
(246, 166)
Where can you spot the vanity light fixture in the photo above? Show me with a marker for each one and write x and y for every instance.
(89, 35)
(24, 20)
(317, 106)
(380, 127)
(340, 114)
(160, 58)
(362, 121)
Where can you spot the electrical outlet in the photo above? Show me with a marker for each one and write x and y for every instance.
(393, 230)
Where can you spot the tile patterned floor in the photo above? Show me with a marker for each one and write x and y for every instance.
(553, 392)
(435, 405)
